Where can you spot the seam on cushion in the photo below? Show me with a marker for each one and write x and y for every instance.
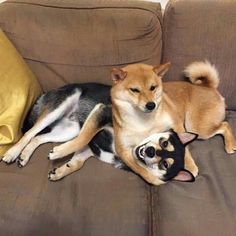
(168, 9)
(154, 215)
(150, 220)
(157, 11)
(157, 14)
(152, 55)
(78, 65)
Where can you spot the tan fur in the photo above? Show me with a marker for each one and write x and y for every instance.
(198, 108)
(88, 131)
(198, 70)
(180, 105)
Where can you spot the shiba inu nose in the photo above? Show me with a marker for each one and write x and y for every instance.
(150, 152)
(150, 106)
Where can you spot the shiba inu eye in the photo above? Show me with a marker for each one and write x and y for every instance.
(153, 87)
(134, 90)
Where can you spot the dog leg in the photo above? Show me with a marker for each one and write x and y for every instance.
(133, 164)
(226, 131)
(93, 124)
(62, 132)
(71, 166)
(189, 163)
(43, 121)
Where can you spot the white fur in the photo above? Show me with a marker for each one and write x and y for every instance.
(107, 157)
(202, 69)
(57, 151)
(71, 166)
(15, 151)
(155, 137)
(64, 131)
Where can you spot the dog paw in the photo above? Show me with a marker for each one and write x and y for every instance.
(230, 151)
(230, 148)
(22, 160)
(55, 174)
(8, 158)
(54, 154)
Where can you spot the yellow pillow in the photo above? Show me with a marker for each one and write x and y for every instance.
(18, 91)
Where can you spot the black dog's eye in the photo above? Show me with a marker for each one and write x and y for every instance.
(152, 88)
(164, 165)
(134, 90)
(164, 143)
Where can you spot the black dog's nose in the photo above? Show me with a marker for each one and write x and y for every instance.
(150, 106)
(150, 152)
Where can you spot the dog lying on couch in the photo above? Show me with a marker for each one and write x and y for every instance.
(143, 105)
(59, 116)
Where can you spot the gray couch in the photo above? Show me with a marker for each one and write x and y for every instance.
(75, 41)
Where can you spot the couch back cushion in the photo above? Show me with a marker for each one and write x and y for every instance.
(199, 30)
(80, 41)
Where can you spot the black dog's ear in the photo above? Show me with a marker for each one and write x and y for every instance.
(187, 138)
(184, 176)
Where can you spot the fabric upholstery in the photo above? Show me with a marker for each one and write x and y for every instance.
(18, 91)
(200, 30)
(207, 206)
(78, 41)
(97, 200)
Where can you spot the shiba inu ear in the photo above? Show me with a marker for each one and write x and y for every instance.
(184, 176)
(160, 70)
(117, 75)
(187, 138)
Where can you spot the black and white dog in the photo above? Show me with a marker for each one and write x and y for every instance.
(59, 115)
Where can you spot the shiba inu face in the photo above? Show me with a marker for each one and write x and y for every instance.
(164, 154)
(140, 85)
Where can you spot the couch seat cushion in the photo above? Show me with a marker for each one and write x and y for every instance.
(97, 200)
(207, 206)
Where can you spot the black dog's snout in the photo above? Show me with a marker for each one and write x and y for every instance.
(150, 106)
(150, 152)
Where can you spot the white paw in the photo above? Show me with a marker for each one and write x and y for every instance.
(9, 158)
(54, 154)
(23, 160)
(230, 148)
(55, 174)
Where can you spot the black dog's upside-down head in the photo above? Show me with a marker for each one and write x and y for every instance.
(163, 154)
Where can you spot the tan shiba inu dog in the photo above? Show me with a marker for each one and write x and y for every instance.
(142, 104)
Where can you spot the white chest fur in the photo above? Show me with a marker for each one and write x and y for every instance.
(137, 125)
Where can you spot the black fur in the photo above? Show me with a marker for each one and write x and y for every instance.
(177, 155)
(92, 94)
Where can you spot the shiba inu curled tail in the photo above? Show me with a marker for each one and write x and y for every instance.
(203, 73)
(143, 104)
